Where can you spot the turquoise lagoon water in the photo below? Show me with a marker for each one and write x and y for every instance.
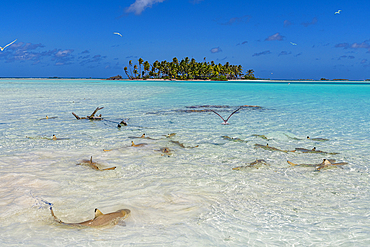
(192, 197)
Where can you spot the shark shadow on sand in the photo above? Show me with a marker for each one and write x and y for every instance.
(207, 108)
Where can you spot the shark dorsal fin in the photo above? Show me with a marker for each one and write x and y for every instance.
(91, 160)
(97, 213)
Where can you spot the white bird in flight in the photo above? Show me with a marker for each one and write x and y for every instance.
(225, 121)
(338, 12)
(118, 34)
(293, 43)
(2, 48)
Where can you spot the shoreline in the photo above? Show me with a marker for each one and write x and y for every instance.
(296, 81)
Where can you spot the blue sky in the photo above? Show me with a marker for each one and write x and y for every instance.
(277, 39)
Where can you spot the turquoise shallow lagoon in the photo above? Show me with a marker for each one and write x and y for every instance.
(192, 197)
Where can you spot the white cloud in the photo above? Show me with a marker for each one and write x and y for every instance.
(139, 5)
(216, 50)
(360, 45)
(275, 36)
(63, 53)
(261, 53)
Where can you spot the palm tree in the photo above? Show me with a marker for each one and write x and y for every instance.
(135, 71)
(250, 74)
(125, 69)
(186, 69)
(130, 67)
(140, 63)
(146, 67)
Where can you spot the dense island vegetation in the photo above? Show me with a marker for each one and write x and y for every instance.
(186, 69)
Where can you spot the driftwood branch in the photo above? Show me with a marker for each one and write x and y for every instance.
(92, 114)
(91, 117)
(74, 114)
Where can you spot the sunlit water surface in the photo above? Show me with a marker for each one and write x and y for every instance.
(192, 197)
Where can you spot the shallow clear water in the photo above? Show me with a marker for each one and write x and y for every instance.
(192, 197)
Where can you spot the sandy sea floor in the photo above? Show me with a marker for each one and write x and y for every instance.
(191, 196)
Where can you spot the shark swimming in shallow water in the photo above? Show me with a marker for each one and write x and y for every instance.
(99, 220)
(261, 136)
(165, 151)
(54, 138)
(143, 136)
(170, 135)
(317, 139)
(182, 145)
(235, 139)
(255, 164)
(94, 165)
(47, 118)
(326, 163)
(313, 150)
(137, 145)
(267, 147)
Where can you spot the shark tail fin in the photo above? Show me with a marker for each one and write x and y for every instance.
(97, 213)
(291, 163)
(55, 218)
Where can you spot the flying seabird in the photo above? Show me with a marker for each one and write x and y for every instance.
(293, 43)
(2, 48)
(338, 12)
(225, 121)
(118, 34)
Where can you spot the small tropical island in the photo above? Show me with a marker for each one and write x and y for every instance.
(186, 69)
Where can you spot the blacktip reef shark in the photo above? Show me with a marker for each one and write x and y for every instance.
(143, 136)
(308, 138)
(233, 139)
(94, 165)
(182, 145)
(137, 145)
(326, 163)
(267, 147)
(313, 150)
(165, 151)
(57, 138)
(255, 164)
(170, 135)
(54, 138)
(47, 118)
(261, 136)
(317, 139)
(100, 219)
(123, 123)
